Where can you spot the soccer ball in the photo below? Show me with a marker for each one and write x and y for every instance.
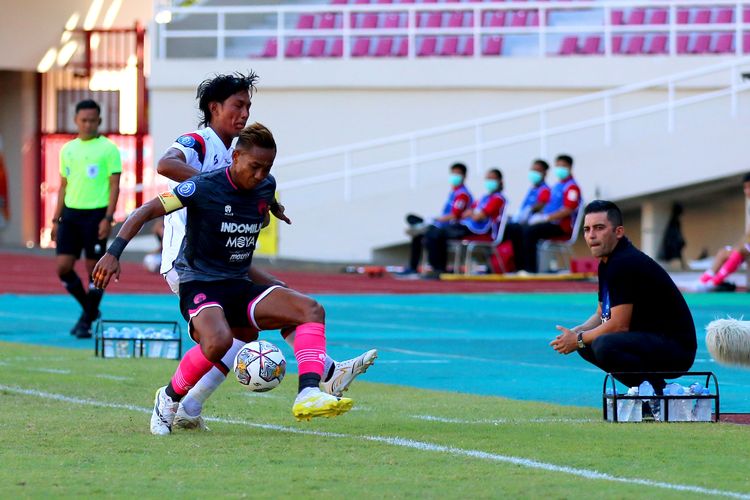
(260, 365)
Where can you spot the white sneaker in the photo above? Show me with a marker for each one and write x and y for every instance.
(705, 287)
(163, 415)
(312, 402)
(184, 421)
(345, 372)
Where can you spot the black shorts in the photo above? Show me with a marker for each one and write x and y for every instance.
(236, 297)
(79, 230)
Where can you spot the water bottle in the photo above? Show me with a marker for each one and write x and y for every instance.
(122, 347)
(156, 345)
(647, 390)
(626, 408)
(680, 410)
(609, 392)
(702, 410)
(148, 334)
(108, 346)
(137, 334)
(171, 345)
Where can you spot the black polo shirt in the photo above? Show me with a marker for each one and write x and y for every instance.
(631, 277)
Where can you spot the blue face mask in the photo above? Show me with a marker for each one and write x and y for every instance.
(491, 185)
(562, 172)
(535, 177)
(456, 180)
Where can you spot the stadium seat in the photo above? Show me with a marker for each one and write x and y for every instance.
(317, 48)
(746, 43)
(683, 16)
(724, 43)
(658, 44)
(450, 46)
(635, 45)
(427, 47)
(637, 16)
(367, 21)
(617, 44)
(592, 45)
(402, 48)
(659, 16)
(361, 2)
(306, 22)
(384, 1)
(724, 16)
(568, 46)
(702, 44)
(703, 16)
(683, 41)
(468, 48)
(337, 48)
(384, 47)
(270, 48)
(329, 21)
(495, 19)
(391, 21)
(471, 243)
(432, 20)
(339, 2)
(455, 20)
(294, 47)
(519, 19)
(746, 16)
(563, 247)
(618, 17)
(493, 46)
(361, 47)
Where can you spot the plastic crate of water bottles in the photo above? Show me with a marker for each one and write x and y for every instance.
(698, 402)
(138, 339)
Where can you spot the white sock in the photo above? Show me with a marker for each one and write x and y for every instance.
(327, 364)
(207, 385)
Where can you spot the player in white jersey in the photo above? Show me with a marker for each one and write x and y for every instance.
(224, 102)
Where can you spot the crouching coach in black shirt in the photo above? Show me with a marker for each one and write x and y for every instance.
(642, 323)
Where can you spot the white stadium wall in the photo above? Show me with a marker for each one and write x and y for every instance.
(323, 104)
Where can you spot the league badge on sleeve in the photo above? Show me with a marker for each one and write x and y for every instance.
(186, 141)
(186, 188)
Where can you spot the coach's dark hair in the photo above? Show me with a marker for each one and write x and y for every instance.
(566, 159)
(541, 163)
(88, 104)
(256, 135)
(746, 178)
(220, 88)
(614, 215)
(461, 167)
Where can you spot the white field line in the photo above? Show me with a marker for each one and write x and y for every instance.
(113, 377)
(412, 444)
(499, 421)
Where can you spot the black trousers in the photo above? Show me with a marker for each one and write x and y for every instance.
(436, 242)
(639, 352)
(524, 238)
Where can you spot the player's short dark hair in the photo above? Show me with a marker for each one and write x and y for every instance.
(746, 178)
(256, 135)
(614, 215)
(565, 159)
(220, 88)
(459, 166)
(541, 163)
(88, 104)
(496, 172)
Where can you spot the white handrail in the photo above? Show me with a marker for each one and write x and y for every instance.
(477, 146)
(411, 31)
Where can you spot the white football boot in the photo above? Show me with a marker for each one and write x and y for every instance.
(184, 421)
(345, 372)
(163, 415)
(312, 402)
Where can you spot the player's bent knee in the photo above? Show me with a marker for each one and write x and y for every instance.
(216, 344)
(313, 312)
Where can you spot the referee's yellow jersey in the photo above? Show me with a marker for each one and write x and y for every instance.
(87, 165)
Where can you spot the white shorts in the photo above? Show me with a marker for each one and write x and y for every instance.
(173, 280)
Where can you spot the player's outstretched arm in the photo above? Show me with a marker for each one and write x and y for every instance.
(173, 165)
(108, 266)
(277, 209)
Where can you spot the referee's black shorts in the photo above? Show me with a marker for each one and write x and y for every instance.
(79, 230)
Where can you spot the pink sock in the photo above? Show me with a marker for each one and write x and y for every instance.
(706, 276)
(310, 348)
(190, 370)
(730, 266)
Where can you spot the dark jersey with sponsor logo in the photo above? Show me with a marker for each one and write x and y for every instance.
(222, 228)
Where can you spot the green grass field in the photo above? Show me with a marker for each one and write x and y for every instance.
(74, 425)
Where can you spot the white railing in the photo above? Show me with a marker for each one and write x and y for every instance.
(220, 24)
(342, 167)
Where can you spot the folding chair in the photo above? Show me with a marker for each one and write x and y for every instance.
(545, 249)
(474, 242)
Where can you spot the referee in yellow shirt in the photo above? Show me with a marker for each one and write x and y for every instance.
(89, 186)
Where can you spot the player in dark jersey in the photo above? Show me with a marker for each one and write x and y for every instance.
(226, 210)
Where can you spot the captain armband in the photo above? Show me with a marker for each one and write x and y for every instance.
(170, 202)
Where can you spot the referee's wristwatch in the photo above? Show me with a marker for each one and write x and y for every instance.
(581, 345)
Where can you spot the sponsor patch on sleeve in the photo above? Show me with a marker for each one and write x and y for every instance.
(186, 140)
(573, 195)
(170, 202)
(186, 188)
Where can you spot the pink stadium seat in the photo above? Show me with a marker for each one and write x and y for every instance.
(703, 16)
(637, 16)
(294, 47)
(427, 47)
(635, 45)
(361, 2)
(337, 48)
(533, 18)
(682, 43)
(659, 16)
(724, 43)
(617, 44)
(391, 21)
(317, 48)
(683, 16)
(468, 49)
(368, 20)
(270, 48)
(384, 46)
(519, 19)
(456, 20)
(406, 1)
(429, 1)
(384, 1)
(329, 21)
(746, 16)
(746, 43)
(618, 17)
(402, 49)
(493, 46)
(568, 46)
(433, 20)
(724, 16)
(305, 22)
(495, 19)
(658, 44)
(702, 44)
(592, 45)
(361, 47)
(450, 46)
(339, 2)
